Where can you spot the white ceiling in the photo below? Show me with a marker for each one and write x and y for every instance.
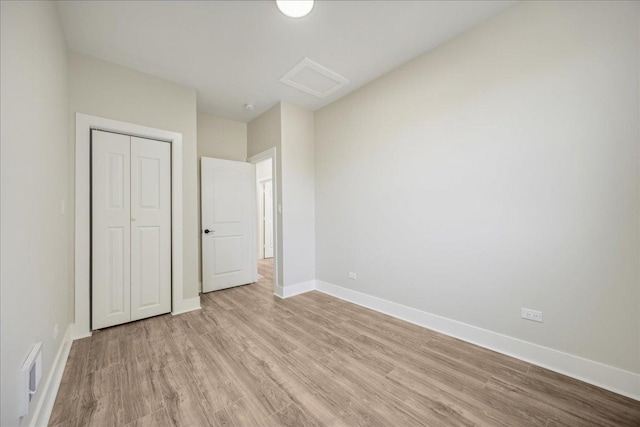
(234, 52)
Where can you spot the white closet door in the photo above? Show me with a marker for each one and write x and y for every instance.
(110, 229)
(150, 228)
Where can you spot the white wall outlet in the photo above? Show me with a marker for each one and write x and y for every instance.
(55, 332)
(352, 275)
(63, 207)
(529, 314)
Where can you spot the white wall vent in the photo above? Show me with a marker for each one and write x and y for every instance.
(314, 79)
(30, 375)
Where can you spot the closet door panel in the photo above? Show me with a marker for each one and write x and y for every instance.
(110, 229)
(150, 228)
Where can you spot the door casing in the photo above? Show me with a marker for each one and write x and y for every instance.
(84, 124)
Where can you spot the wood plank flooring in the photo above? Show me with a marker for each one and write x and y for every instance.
(250, 359)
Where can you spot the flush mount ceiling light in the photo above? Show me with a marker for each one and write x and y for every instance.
(295, 8)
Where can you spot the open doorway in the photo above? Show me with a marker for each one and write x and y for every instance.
(266, 220)
(264, 191)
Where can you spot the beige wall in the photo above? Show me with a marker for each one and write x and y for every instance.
(221, 139)
(495, 172)
(265, 131)
(291, 130)
(298, 207)
(108, 90)
(34, 179)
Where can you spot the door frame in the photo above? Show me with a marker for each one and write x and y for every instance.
(271, 153)
(84, 124)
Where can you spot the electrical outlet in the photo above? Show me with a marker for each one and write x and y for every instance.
(529, 314)
(352, 275)
(63, 207)
(55, 332)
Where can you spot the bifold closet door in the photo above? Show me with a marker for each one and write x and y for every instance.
(150, 228)
(110, 229)
(131, 228)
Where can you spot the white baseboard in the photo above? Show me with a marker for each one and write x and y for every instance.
(42, 412)
(78, 334)
(186, 305)
(279, 291)
(608, 377)
(295, 289)
(79, 337)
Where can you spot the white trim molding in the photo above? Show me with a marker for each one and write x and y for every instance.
(279, 291)
(187, 304)
(295, 289)
(608, 377)
(84, 124)
(42, 412)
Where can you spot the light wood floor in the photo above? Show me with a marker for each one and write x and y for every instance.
(250, 359)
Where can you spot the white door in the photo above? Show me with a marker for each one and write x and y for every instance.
(150, 228)
(228, 223)
(131, 228)
(110, 229)
(267, 215)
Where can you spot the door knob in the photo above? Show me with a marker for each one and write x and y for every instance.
(207, 231)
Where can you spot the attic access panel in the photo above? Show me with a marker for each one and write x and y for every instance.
(314, 79)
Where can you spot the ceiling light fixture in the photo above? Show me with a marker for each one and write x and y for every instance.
(295, 8)
(249, 107)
